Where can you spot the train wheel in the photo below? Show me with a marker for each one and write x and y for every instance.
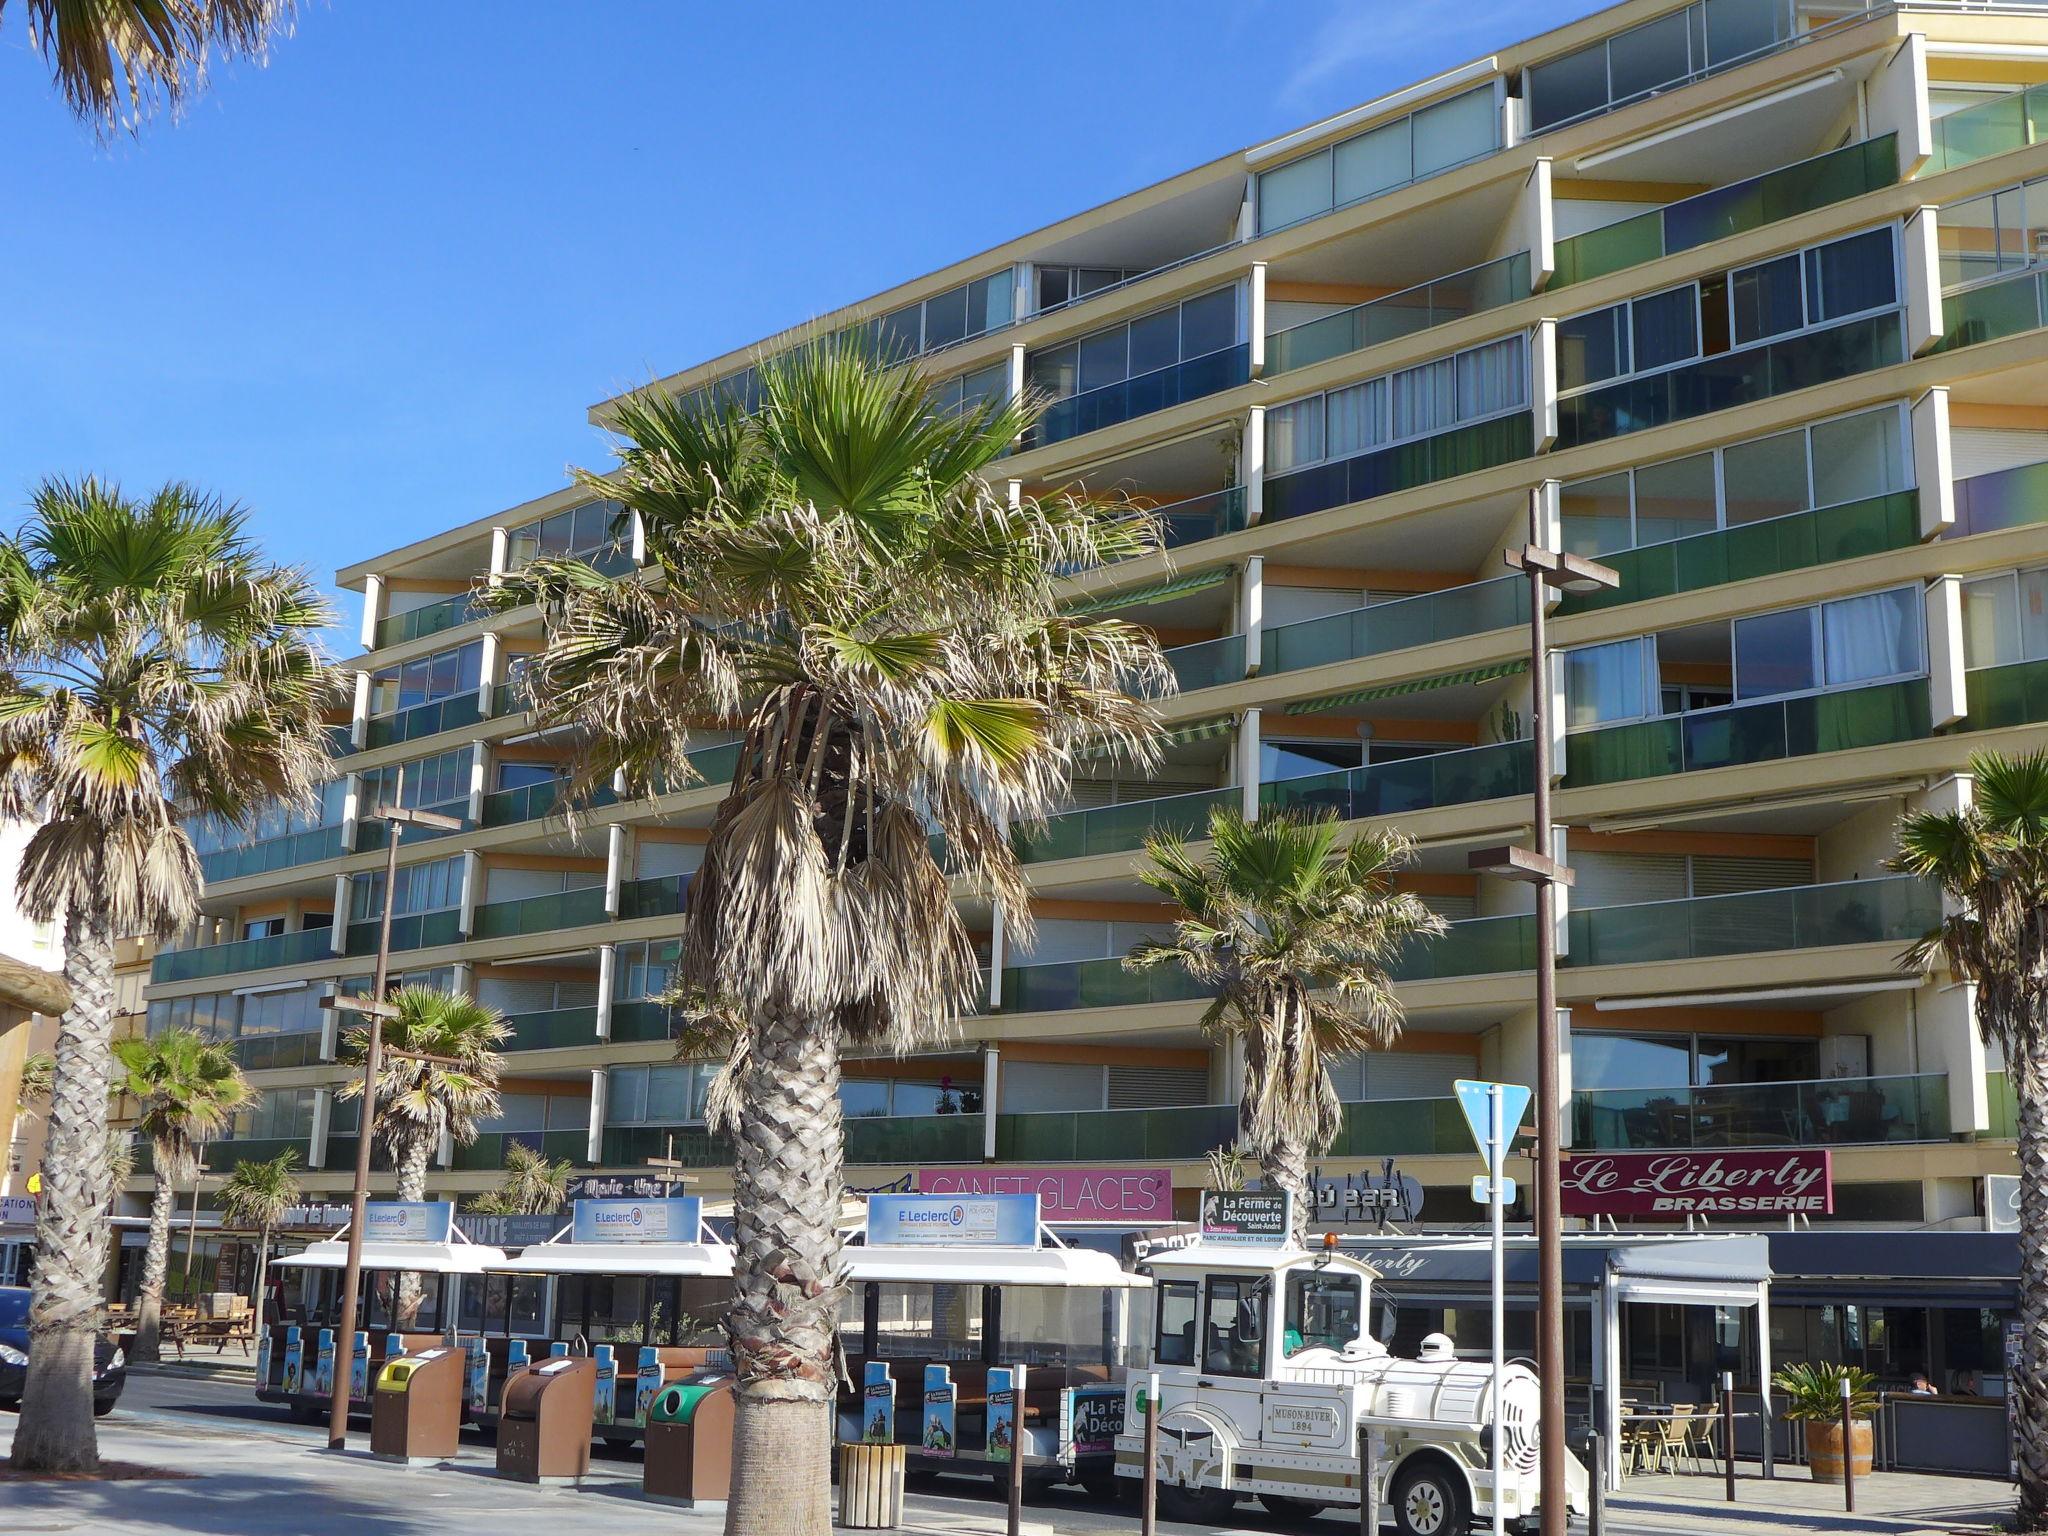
(1429, 1499)
(1196, 1506)
(1291, 1509)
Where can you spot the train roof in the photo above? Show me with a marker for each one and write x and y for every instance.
(563, 1258)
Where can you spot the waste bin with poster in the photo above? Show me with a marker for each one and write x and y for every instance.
(416, 1409)
(544, 1425)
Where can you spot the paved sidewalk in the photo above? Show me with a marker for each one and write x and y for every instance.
(1892, 1503)
(237, 1362)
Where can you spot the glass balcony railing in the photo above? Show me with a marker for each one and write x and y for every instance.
(529, 802)
(1430, 304)
(1990, 311)
(539, 914)
(1477, 946)
(228, 1155)
(551, 1030)
(642, 1019)
(1994, 127)
(1119, 828)
(714, 767)
(1833, 1112)
(449, 714)
(271, 854)
(1834, 177)
(2004, 498)
(1731, 379)
(925, 1139)
(627, 1146)
(1463, 777)
(301, 948)
(1092, 984)
(1185, 1132)
(656, 896)
(2014, 694)
(257, 1053)
(510, 699)
(1880, 715)
(372, 832)
(429, 619)
(487, 1153)
(1891, 908)
(411, 930)
(1094, 409)
(1208, 663)
(341, 739)
(1449, 614)
(1201, 517)
(1403, 467)
(1745, 551)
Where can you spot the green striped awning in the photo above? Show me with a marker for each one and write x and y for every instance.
(1181, 735)
(1413, 685)
(1198, 581)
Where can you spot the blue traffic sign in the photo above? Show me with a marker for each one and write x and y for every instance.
(1476, 1099)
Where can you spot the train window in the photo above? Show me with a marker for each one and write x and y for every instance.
(1235, 1325)
(1322, 1311)
(1179, 1310)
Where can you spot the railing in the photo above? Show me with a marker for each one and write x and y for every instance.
(341, 739)
(449, 714)
(611, 558)
(503, 807)
(1990, 311)
(1733, 378)
(428, 619)
(1384, 471)
(551, 1030)
(373, 832)
(642, 1019)
(1843, 173)
(1094, 409)
(656, 896)
(271, 854)
(923, 1139)
(230, 1153)
(1896, 908)
(539, 914)
(1463, 777)
(1208, 663)
(1374, 630)
(488, 1151)
(1831, 1112)
(301, 948)
(690, 1145)
(1185, 1132)
(1100, 983)
(412, 930)
(1201, 517)
(1478, 946)
(257, 1053)
(2002, 499)
(1437, 302)
(1118, 828)
(1989, 128)
(510, 699)
(2014, 694)
(1745, 551)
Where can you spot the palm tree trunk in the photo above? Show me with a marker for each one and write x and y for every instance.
(787, 1177)
(156, 1258)
(54, 1432)
(261, 1298)
(2029, 1380)
(1287, 1171)
(410, 1158)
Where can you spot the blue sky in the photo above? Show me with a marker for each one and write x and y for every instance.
(370, 290)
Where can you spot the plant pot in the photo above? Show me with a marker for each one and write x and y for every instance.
(1824, 1449)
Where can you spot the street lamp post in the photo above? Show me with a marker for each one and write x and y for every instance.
(376, 1009)
(1546, 567)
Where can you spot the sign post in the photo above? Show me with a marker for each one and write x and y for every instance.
(1494, 1112)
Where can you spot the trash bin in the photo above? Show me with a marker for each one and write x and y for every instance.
(416, 1409)
(688, 1458)
(870, 1487)
(544, 1422)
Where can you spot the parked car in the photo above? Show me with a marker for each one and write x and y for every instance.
(109, 1365)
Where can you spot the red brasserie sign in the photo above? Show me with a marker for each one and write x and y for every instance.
(1699, 1183)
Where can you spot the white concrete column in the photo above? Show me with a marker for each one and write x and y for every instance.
(1924, 323)
(1947, 691)
(490, 667)
(1554, 716)
(1248, 764)
(997, 942)
(638, 537)
(1016, 384)
(1934, 462)
(1543, 382)
(1951, 1043)
(351, 811)
(359, 719)
(607, 981)
(444, 1150)
(1255, 318)
(1895, 99)
(618, 855)
(330, 1041)
(501, 554)
(479, 776)
(1535, 224)
(464, 984)
(373, 609)
(991, 1098)
(472, 881)
(1561, 899)
(1024, 289)
(323, 1119)
(599, 1086)
(338, 943)
(1251, 610)
(1251, 464)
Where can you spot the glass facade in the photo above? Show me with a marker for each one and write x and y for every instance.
(1447, 133)
(1657, 56)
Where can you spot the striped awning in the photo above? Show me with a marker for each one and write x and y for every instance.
(1413, 685)
(1181, 735)
(1197, 581)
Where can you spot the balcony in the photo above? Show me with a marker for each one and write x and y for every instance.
(1989, 128)
(1890, 908)
(341, 739)
(1478, 946)
(487, 1152)
(1421, 308)
(372, 832)
(1833, 1112)
(1100, 983)
(271, 854)
(1119, 828)
(539, 914)
(260, 1053)
(1882, 714)
(1403, 467)
(449, 714)
(1731, 379)
(628, 1146)
(1734, 209)
(2015, 694)
(1746, 551)
(643, 1019)
(2005, 498)
(413, 930)
(1449, 614)
(1993, 310)
(226, 1156)
(1094, 409)
(428, 619)
(657, 896)
(301, 948)
(1208, 663)
(1464, 777)
(510, 699)
(923, 1139)
(1201, 517)
(1184, 1133)
(551, 1030)
(530, 802)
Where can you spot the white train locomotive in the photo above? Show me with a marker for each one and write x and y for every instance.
(1267, 1371)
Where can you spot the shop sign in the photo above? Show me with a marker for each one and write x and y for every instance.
(620, 1186)
(408, 1221)
(1246, 1216)
(952, 1221)
(17, 1210)
(1127, 1196)
(509, 1231)
(675, 1220)
(1770, 1183)
(2002, 1202)
(1366, 1199)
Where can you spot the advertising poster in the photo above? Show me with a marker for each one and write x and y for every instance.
(604, 1408)
(294, 1360)
(263, 1358)
(359, 1364)
(941, 1402)
(952, 1221)
(647, 1386)
(1002, 1413)
(1635, 1184)
(1094, 1418)
(878, 1405)
(1246, 1216)
(408, 1221)
(638, 1221)
(477, 1378)
(323, 1364)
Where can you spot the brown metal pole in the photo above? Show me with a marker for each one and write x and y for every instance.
(352, 1276)
(1728, 1430)
(1016, 1491)
(1148, 1490)
(1550, 1361)
(1848, 1447)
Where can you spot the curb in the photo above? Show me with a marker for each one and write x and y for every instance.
(237, 1375)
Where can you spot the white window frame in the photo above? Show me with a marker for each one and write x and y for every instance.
(1386, 406)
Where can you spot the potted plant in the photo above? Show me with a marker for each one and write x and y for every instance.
(1812, 1395)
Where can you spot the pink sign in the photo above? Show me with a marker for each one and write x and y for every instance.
(1697, 1183)
(1135, 1196)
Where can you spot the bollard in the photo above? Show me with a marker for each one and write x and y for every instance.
(1848, 1449)
(1017, 1444)
(1368, 1497)
(1596, 1506)
(1728, 1430)
(1148, 1506)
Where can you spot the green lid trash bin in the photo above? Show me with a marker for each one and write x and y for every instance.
(688, 1459)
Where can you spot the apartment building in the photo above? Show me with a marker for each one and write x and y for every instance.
(1742, 297)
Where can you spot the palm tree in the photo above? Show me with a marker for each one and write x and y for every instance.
(532, 1185)
(133, 56)
(421, 1100)
(1294, 931)
(185, 1087)
(258, 1194)
(38, 1074)
(1991, 862)
(840, 583)
(150, 660)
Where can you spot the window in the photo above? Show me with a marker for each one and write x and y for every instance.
(1193, 328)
(1444, 134)
(661, 1095)
(1063, 285)
(577, 532)
(1990, 236)
(645, 969)
(427, 679)
(439, 780)
(1323, 1312)
(1706, 36)
(1234, 1325)
(1604, 683)
(434, 886)
(986, 304)
(971, 391)
(1474, 385)
(1179, 1310)
(2005, 618)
